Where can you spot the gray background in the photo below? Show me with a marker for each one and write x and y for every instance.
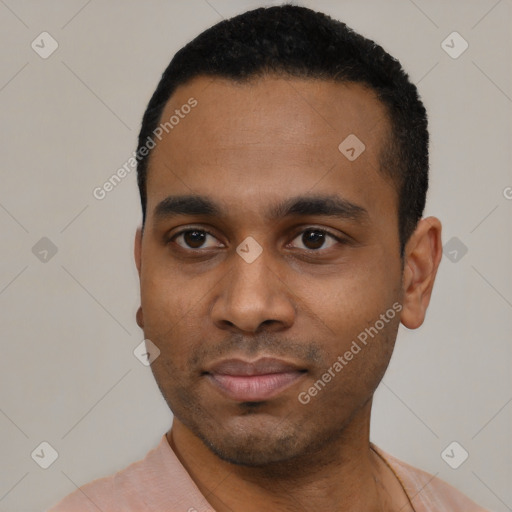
(68, 373)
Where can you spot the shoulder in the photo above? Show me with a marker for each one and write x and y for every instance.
(153, 484)
(91, 497)
(426, 491)
(120, 491)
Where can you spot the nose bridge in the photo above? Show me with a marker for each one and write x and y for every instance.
(252, 274)
(253, 292)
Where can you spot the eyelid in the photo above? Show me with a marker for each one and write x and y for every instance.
(313, 227)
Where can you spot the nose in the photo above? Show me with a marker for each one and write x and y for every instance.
(253, 295)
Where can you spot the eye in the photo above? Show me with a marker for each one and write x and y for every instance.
(314, 239)
(193, 238)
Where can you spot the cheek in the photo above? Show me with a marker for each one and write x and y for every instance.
(175, 309)
(166, 313)
(165, 297)
(349, 381)
(352, 297)
(350, 306)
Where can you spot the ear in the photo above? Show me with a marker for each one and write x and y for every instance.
(422, 255)
(137, 250)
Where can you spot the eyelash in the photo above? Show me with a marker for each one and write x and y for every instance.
(309, 228)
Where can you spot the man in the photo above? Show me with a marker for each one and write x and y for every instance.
(283, 170)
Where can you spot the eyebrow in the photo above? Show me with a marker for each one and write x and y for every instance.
(312, 205)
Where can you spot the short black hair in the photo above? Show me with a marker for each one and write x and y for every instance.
(298, 42)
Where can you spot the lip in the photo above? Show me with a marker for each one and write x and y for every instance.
(253, 381)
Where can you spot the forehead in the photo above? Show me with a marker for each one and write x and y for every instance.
(270, 138)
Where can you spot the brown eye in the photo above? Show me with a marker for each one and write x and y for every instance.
(193, 239)
(314, 239)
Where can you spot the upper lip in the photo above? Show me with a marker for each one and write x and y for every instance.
(261, 366)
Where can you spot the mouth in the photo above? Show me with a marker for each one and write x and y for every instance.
(255, 381)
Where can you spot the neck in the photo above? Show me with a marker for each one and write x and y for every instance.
(345, 475)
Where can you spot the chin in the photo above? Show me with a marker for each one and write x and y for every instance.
(247, 440)
(255, 441)
(255, 451)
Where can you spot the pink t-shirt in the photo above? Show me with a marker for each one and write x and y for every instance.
(160, 483)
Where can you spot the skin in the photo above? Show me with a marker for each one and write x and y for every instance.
(247, 147)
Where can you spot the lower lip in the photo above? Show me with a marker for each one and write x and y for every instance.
(254, 388)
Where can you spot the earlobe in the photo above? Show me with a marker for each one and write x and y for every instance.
(139, 317)
(423, 255)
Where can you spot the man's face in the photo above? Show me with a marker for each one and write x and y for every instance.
(320, 280)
